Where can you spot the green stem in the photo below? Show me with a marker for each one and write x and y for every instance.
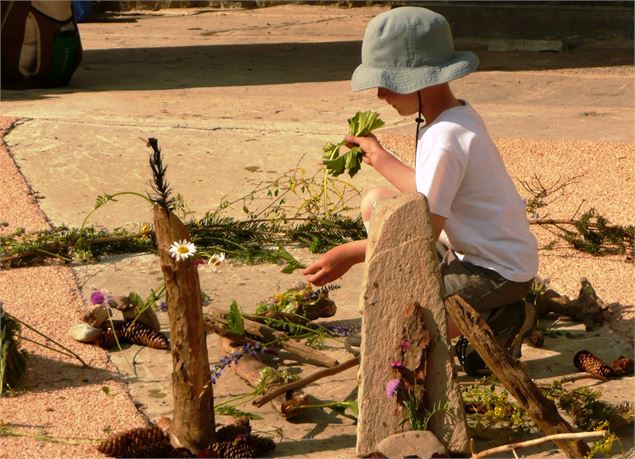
(111, 197)
(55, 255)
(51, 339)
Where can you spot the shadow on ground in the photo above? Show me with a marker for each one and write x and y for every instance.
(179, 67)
(47, 375)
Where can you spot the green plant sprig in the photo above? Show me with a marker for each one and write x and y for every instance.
(336, 162)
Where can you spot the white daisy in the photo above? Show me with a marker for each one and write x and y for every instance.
(216, 260)
(180, 250)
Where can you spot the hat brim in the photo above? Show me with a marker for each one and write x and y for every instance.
(409, 80)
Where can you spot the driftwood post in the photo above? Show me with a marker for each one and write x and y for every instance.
(193, 422)
(509, 372)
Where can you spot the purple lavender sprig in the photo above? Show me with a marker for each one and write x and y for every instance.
(234, 357)
(344, 330)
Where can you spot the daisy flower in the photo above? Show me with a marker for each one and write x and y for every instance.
(216, 260)
(180, 250)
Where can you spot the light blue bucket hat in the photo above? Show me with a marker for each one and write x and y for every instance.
(409, 48)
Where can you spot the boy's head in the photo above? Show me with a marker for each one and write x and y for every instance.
(409, 48)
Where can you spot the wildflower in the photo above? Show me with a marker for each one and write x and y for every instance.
(344, 330)
(405, 344)
(180, 250)
(199, 261)
(216, 260)
(97, 297)
(162, 306)
(392, 386)
(395, 364)
(234, 357)
(145, 230)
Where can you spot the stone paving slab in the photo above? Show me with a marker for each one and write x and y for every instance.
(236, 97)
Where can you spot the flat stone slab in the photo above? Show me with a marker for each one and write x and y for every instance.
(402, 269)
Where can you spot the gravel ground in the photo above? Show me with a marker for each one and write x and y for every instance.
(68, 402)
(60, 398)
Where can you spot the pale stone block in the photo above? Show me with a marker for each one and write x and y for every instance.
(415, 443)
(402, 269)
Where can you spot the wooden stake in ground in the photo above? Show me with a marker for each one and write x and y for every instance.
(193, 421)
(542, 410)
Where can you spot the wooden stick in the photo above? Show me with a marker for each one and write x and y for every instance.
(281, 339)
(305, 381)
(512, 375)
(192, 393)
(538, 441)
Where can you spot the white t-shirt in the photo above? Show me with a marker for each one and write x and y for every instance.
(461, 172)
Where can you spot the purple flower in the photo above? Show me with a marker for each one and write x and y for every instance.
(392, 386)
(162, 307)
(97, 297)
(395, 364)
(405, 344)
(234, 357)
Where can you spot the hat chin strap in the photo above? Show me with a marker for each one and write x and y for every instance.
(419, 119)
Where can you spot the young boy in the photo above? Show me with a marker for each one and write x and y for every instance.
(489, 256)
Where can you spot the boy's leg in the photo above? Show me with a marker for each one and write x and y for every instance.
(500, 302)
(369, 200)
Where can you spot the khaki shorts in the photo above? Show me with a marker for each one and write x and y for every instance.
(484, 289)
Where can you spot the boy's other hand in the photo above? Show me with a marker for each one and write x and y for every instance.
(335, 263)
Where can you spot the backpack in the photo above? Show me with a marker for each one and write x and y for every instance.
(41, 46)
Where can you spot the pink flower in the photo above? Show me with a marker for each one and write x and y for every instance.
(395, 364)
(97, 297)
(392, 386)
(405, 344)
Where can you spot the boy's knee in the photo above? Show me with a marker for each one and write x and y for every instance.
(370, 199)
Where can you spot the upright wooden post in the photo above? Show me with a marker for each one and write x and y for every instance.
(193, 423)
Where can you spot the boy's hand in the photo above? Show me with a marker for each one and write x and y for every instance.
(335, 263)
(371, 148)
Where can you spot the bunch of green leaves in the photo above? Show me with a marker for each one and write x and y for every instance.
(336, 162)
(488, 406)
(235, 321)
(293, 300)
(588, 411)
(271, 376)
(69, 244)
(149, 302)
(596, 235)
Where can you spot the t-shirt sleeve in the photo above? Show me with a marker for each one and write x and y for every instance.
(439, 175)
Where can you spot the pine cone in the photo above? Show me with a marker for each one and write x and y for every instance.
(622, 366)
(231, 431)
(243, 446)
(140, 442)
(106, 339)
(586, 361)
(139, 333)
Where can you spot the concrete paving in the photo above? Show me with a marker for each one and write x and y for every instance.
(236, 98)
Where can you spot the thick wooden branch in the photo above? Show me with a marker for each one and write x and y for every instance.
(586, 308)
(193, 421)
(267, 334)
(511, 374)
(305, 381)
